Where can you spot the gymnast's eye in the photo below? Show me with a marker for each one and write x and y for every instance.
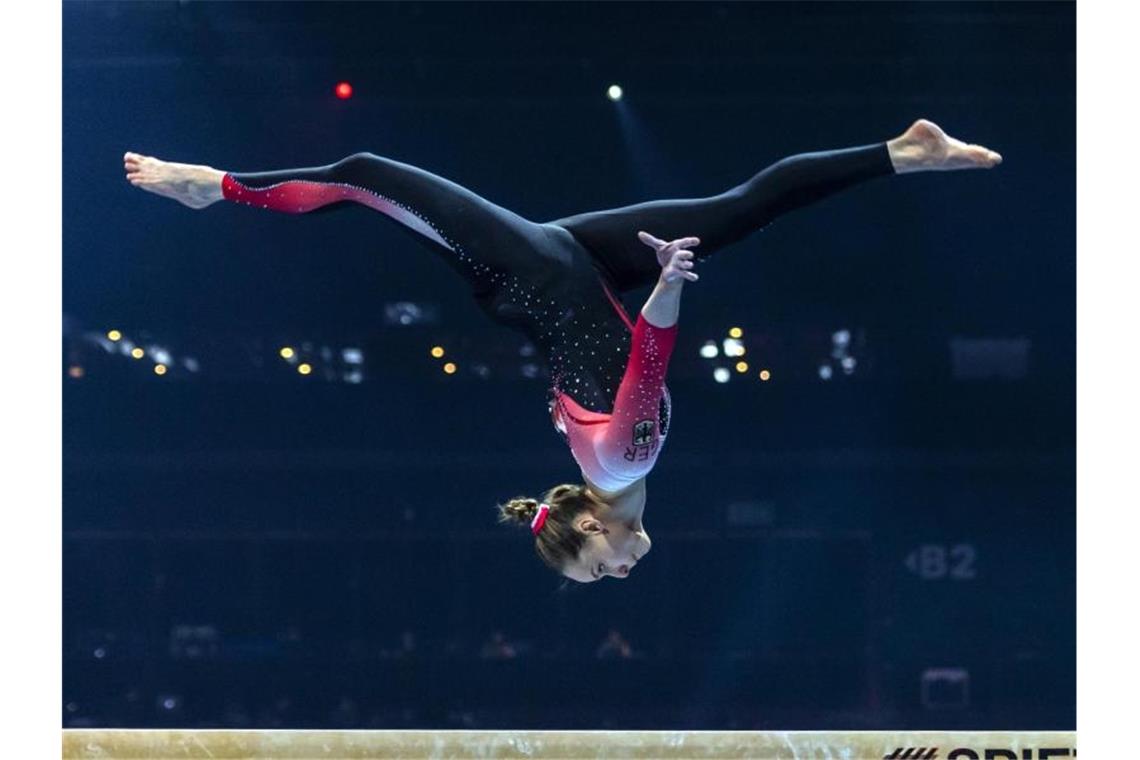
(602, 569)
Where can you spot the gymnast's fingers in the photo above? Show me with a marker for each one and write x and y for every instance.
(648, 239)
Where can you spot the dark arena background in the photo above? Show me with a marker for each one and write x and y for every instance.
(281, 513)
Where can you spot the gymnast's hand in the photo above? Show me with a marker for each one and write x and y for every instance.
(674, 257)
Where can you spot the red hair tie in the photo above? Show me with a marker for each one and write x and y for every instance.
(539, 519)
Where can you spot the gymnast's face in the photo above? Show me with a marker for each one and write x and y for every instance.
(611, 549)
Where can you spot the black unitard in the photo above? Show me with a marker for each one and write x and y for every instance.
(558, 281)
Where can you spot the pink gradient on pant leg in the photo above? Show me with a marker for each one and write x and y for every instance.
(301, 196)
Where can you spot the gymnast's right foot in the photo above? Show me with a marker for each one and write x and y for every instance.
(189, 184)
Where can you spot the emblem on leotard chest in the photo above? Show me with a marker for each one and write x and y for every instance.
(643, 432)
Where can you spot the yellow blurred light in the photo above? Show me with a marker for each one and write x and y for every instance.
(742, 366)
(304, 369)
(114, 334)
(138, 353)
(75, 371)
(287, 352)
(765, 374)
(160, 369)
(437, 351)
(449, 368)
(735, 332)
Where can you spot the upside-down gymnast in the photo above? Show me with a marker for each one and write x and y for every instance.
(558, 282)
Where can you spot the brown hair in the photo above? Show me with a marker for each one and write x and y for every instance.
(559, 542)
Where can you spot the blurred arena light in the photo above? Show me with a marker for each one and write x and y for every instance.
(287, 352)
(614, 92)
(160, 369)
(709, 350)
(765, 375)
(450, 368)
(343, 90)
(137, 353)
(735, 332)
(721, 374)
(304, 368)
(437, 351)
(407, 313)
(733, 347)
(114, 334)
(742, 366)
(825, 372)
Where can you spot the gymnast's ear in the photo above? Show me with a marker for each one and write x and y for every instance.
(589, 524)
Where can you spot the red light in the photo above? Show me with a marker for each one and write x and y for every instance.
(344, 90)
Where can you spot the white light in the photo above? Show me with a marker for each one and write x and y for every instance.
(721, 374)
(355, 377)
(160, 355)
(190, 363)
(709, 349)
(841, 337)
(614, 93)
(352, 356)
(530, 370)
(125, 346)
(733, 347)
(825, 371)
(848, 363)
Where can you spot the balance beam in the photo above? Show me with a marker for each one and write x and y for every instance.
(121, 744)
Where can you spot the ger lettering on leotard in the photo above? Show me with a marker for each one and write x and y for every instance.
(560, 282)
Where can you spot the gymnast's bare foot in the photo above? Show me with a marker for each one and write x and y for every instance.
(925, 147)
(189, 184)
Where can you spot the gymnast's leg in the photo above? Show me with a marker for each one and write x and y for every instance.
(791, 183)
(479, 238)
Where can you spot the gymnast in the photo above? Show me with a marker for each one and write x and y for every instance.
(559, 283)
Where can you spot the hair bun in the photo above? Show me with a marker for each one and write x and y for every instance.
(520, 509)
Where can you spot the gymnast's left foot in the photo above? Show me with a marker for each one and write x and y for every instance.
(925, 147)
(189, 184)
